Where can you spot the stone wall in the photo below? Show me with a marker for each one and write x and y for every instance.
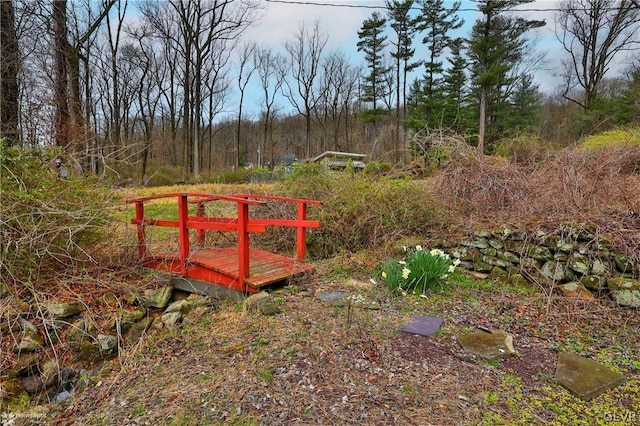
(579, 259)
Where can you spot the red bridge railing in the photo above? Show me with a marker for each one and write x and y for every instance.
(243, 225)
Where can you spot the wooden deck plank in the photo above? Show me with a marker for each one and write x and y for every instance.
(264, 267)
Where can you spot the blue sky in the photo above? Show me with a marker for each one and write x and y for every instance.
(340, 20)
(281, 20)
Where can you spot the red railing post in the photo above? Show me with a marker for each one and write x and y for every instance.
(301, 244)
(200, 213)
(142, 238)
(183, 215)
(243, 242)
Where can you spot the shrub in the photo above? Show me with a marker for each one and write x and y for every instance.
(629, 136)
(360, 211)
(46, 224)
(377, 168)
(524, 148)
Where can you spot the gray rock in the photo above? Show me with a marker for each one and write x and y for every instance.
(480, 266)
(62, 396)
(625, 291)
(198, 300)
(509, 257)
(107, 343)
(518, 280)
(564, 246)
(43, 379)
(496, 261)
(423, 325)
(182, 306)
(483, 233)
(623, 263)
(553, 270)
(599, 267)
(569, 275)
(514, 246)
(109, 300)
(64, 309)
(54, 329)
(29, 339)
(560, 256)
(77, 334)
(157, 298)
(579, 264)
(477, 242)
(499, 274)
(89, 352)
(540, 253)
(518, 235)
(465, 253)
(529, 263)
(137, 330)
(496, 243)
(489, 251)
(172, 318)
(331, 296)
(593, 282)
(263, 302)
(130, 317)
(26, 361)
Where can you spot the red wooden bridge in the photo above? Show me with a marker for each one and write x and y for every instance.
(239, 268)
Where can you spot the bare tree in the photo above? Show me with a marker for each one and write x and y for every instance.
(114, 33)
(194, 29)
(244, 76)
(340, 79)
(67, 65)
(61, 97)
(593, 33)
(9, 64)
(271, 72)
(305, 53)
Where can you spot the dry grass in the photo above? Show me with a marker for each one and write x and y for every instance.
(319, 364)
(316, 363)
(600, 187)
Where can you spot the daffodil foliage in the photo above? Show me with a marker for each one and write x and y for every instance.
(420, 272)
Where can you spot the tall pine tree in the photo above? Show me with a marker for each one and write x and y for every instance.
(437, 21)
(496, 47)
(405, 28)
(372, 43)
(455, 89)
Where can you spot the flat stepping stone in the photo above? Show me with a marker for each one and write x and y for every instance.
(332, 296)
(585, 377)
(423, 325)
(488, 345)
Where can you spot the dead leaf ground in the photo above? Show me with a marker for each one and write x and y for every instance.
(321, 364)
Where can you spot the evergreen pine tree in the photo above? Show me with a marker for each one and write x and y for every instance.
(372, 43)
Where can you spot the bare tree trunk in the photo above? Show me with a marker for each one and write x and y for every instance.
(61, 94)
(9, 57)
(483, 118)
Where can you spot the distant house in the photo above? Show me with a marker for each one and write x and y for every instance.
(340, 160)
(287, 161)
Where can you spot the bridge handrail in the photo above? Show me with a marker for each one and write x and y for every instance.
(243, 225)
(205, 197)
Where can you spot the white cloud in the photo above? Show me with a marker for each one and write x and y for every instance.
(281, 22)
